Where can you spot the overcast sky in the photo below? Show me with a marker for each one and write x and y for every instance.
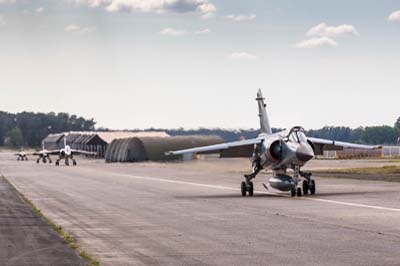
(192, 63)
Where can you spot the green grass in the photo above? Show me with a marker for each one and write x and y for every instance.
(71, 241)
(389, 169)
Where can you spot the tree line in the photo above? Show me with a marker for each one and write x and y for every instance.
(363, 135)
(29, 129)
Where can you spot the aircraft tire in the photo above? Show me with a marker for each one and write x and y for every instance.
(305, 187)
(243, 189)
(312, 187)
(251, 189)
(293, 192)
(57, 163)
(298, 192)
(74, 163)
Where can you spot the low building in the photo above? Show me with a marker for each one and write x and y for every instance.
(94, 141)
(139, 149)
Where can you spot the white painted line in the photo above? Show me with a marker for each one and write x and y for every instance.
(259, 192)
(354, 204)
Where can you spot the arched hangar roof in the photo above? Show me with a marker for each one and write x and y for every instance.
(139, 149)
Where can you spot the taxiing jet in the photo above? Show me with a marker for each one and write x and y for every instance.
(288, 149)
(66, 154)
(43, 155)
(22, 156)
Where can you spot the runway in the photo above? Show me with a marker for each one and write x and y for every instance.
(192, 214)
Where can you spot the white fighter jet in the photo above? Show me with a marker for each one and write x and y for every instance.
(22, 156)
(289, 149)
(65, 154)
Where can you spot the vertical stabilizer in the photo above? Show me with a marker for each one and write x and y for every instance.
(262, 113)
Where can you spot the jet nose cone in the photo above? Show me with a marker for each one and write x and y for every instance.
(304, 152)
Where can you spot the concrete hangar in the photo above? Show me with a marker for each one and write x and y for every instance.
(127, 146)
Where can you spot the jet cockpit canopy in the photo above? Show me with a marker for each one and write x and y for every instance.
(296, 134)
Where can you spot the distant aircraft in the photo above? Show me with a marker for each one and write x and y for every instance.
(22, 156)
(288, 149)
(43, 155)
(65, 154)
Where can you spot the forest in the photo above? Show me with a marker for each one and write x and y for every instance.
(28, 129)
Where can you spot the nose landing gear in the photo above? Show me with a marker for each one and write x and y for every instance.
(307, 186)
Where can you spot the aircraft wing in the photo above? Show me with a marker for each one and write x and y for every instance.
(242, 148)
(47, 152)
(322, 145)
(83, 152)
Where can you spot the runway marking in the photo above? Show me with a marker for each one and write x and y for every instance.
(260, 192)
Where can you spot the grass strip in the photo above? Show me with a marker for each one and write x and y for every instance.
(71, 241)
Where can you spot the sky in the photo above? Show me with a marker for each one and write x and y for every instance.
(199, 63)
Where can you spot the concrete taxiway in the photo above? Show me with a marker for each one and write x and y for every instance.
(192, 214)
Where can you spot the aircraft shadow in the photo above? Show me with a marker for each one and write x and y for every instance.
(228, 196)
(283, 195)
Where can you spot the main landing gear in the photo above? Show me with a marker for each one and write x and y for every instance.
(247, 186)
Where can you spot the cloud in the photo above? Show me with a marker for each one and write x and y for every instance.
(203, 7)
(394, 16)
(324, 30)
(172, 32)
(207, 16)
(205, 31)
(317, 42)
(8, 1)
(240, 18)
(76, 29)
(39, 10)
(242, 56)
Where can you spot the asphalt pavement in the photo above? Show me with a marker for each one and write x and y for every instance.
(192, 214)
(26, 239)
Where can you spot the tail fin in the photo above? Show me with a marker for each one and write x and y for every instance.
(262, 113)
(65, 141)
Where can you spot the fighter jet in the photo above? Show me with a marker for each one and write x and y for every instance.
(22, 156)
(288, 149)
(65, 154)
(43, 155)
